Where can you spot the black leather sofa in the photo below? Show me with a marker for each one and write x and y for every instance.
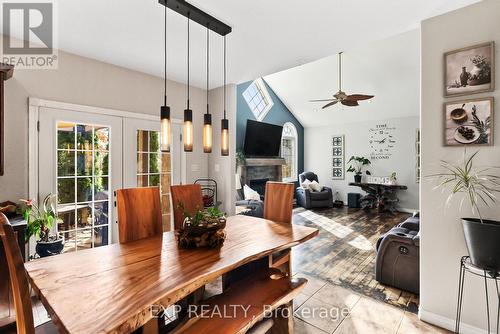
(398, 250)
(310, 199)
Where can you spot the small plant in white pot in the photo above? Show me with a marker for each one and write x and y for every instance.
(479, 187)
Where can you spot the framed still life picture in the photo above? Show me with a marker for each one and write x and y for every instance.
(470, 70)
(468, 122)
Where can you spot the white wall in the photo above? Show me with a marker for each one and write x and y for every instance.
(318, 155)
(222, 169)
(86, 81)
(442, 242)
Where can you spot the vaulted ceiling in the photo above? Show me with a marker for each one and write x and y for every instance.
(269, 36)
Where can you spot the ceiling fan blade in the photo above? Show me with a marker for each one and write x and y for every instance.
(359, 97)
(330, 104)
(326, 100)
(350, 103)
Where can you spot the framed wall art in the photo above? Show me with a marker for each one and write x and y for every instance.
(470, 70)
(338, 157)
(469, 122)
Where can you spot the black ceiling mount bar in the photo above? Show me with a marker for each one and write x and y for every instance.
(197, 15)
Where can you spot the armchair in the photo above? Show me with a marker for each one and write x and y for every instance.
(310, 199)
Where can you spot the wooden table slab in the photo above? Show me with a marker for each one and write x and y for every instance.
(110, 289)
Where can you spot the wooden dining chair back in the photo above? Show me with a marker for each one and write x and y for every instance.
(139, 213)
(278, 202)
(18, 278)
(185, 198)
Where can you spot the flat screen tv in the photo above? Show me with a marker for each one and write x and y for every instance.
(262, 139)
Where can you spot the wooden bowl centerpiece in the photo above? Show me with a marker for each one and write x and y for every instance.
(203, 229)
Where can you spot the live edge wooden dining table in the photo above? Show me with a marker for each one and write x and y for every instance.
(110, 289)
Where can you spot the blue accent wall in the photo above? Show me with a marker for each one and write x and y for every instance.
(279, 115)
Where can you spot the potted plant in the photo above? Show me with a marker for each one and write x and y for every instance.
(479, 187)
(205, 228)
(39, 222)
(357, 165)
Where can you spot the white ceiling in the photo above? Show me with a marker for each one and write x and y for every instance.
(268, 36)
(388, 69)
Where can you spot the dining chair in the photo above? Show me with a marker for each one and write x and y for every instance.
(186, 198)
(19, 283)
(139, 213)
(278, 202)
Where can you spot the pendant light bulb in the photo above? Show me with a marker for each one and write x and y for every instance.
(187, 134)
(166, 128)
(188, 130)
(207, 119)
(165, 125)
(224, 145)
(207, 133)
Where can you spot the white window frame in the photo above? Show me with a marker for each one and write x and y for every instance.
(262, 89)
(295, 138)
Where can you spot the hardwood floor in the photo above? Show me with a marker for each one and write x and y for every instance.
(344, 252)
(339, 266)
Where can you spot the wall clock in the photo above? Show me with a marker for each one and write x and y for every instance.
(382, 141)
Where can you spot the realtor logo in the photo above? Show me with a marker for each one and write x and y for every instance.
(28, 30)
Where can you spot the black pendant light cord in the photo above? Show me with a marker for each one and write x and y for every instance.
(165, 98)
(188, 64)
(224, 77)
(208, 64)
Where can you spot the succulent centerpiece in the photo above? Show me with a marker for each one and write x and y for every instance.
(204, 228)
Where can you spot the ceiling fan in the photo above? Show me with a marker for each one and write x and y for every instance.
(342, 97)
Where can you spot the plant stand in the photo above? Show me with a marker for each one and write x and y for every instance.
(467, 267)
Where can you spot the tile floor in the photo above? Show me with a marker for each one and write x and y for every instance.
(326, 308)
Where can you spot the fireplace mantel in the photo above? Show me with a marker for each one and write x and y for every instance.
(265, 162)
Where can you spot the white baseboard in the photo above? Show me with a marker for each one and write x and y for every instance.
(449, 324)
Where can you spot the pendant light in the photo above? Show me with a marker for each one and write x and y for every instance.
(207, 120)
(165, 131)
(188, 113)
(224, 146)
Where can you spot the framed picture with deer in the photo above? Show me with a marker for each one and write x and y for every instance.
(470, 70)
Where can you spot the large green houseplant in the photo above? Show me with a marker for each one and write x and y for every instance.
(40, 220)
(479, 187)
(357, 164)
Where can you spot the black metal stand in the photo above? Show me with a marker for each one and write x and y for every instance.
(466, 266)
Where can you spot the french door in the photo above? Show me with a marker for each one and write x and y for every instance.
(80, 161)
(146, 166)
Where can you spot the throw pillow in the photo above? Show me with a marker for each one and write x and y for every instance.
(315, 186)
(250, 194)
(306, 184)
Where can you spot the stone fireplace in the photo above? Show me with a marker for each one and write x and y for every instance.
(257, 171)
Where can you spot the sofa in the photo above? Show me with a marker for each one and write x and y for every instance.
(313, 199)
(397, 262)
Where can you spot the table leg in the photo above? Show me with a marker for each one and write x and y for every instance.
(460, 296)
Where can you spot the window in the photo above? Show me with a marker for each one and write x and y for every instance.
(154, 169)
(83, 180)
(289, 152)
(258, 99)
